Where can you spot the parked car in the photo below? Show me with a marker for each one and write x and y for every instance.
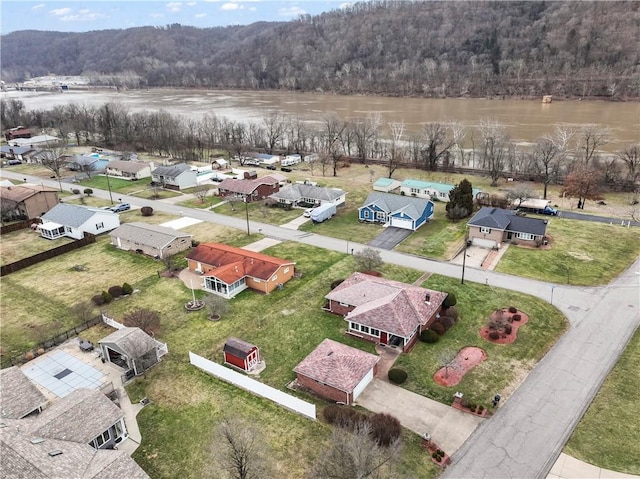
(121, 207)
(285, 169)
(307, 213)
(271, 167)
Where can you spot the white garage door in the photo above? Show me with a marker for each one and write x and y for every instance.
(362, 384)
(483, 243)
(400, 223)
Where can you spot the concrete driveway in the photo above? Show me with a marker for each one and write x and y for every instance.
(448, 427)
(390, 238)
(475, 256)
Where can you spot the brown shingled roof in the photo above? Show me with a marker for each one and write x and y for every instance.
(387, 305)
(18, 395)
(22, 192)
(337, 365)
(233, 263)
(246, 186)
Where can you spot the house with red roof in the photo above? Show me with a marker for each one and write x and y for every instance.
(249, 189)
(384, 311)
(336, 371)
(227, 270)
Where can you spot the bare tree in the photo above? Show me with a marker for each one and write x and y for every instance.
(145, 319)
(365, 133)
(438, 138)
(51, 159)
(445, 358)
(8, 210)
(240, 450)
(201, 192)
(545, 155)
(591, 138)
(630, 156)
(333, 130)
(368, 259)
(583, 184)
(274, 125)
(354, 455)
(396, 153)
(84, 311)
(217, 305)
(495, 147)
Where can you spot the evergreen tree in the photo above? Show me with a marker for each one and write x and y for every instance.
(460, 201)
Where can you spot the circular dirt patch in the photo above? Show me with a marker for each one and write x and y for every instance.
(467, 359)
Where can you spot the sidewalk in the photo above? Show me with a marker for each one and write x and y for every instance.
(567, 467)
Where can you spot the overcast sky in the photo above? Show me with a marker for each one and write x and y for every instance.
(87, 15)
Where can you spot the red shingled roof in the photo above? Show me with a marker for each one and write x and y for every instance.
(391, 306)
(233, 263)
(246, 186)
(337, 365)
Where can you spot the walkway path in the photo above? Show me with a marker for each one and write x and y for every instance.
(527, 434)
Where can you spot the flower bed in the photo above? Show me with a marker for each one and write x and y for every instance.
(466, 359)
(506, 324)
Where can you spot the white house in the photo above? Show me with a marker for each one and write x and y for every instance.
(175, 177)
(74, 221)
(129, 170)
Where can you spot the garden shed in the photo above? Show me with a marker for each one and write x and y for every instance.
(241, 354)
(131, 349)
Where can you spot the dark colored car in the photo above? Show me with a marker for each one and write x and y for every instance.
(288, 170)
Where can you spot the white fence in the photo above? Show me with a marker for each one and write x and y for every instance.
(253, 386)
(112, 322)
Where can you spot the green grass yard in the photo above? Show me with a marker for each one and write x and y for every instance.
(581, 253)
(609, 433)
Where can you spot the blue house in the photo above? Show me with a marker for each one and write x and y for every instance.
(429, 189)
(395, 210)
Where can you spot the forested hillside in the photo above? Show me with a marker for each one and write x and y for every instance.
(577, 49)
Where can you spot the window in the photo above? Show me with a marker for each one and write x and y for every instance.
(355, 326)
(365, 213)
(486, 230)
(364, 329)
(375, 332)
(345, 305)
(99, 226)
(525, 236)
(102, 438)
(381, 215)
(415, 190)
(286, 270)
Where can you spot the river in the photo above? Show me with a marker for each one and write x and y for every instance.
(525, 120)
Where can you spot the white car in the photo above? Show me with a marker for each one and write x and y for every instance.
(307, 213)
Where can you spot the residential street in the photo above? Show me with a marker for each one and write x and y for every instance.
(528, 432)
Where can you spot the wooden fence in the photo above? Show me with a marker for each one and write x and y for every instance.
(20, 225)
(45, 255)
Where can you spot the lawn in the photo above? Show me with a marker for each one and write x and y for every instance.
(24, 243)
(156, 193)
(506, 365)
(208, 202)
(581, 253)
(609, 432)
(439, 239)
(117, 185)
(258, 211)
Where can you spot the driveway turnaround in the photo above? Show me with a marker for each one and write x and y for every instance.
(449, 428)
(390, 238)
(526, 435)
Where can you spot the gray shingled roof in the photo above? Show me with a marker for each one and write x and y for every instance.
(507, 220)
(127, 166)
(337, 365)
(171, 171)
(22, 459)
(390, 203)
(18, 395)
(80, 417)
(295, 192)
(154, 236)
(71, 215)
(134, 342)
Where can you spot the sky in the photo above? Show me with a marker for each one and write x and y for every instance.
(88, 15)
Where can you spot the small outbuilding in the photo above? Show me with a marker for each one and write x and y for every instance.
(241, 354)
(131, 349)
(336, 371)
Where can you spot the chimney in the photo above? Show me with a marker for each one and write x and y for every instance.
(427, 298)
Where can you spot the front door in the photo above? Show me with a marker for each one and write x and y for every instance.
(509, 235)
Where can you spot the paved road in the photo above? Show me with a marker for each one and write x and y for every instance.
(528, 432)
(598, 219)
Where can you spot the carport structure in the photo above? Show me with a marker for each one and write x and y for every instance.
(131, 349)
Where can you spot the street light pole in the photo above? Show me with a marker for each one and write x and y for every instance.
(464, 257)
(246, 210)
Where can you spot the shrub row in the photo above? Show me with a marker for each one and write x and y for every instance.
(384, 429)
(113, 292)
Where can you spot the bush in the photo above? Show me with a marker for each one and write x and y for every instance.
(429, 336)
(508, 328)
(146, 211)
(451, 312)
(115, 291)
(88, 191)
(343, 416)
(480, 409)
(494, 335)
(447, 322)
(106, 297)
(98, 300)
(75, 191)
(517, 317)
(450, 300)
(513, 309)
(336, 283)
(385, 429)
(397, 375)
(195, 243)
(438, 328)
(127, 289)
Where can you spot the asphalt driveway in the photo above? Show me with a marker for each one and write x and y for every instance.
(390, 238)
(448, 427)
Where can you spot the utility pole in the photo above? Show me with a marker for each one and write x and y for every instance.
(246, 210)
(464, 257)
(108, 186)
